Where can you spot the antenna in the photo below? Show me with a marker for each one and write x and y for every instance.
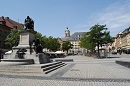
(18, 20)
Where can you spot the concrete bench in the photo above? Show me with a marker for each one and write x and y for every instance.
(124, 63)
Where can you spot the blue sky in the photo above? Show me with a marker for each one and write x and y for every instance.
(52, 17)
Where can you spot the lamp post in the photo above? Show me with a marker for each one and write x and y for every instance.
(0, 53)
(120, 49)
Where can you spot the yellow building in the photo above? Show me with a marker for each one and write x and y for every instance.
(128, 39)
(118, 42)
(123, 40)
(73, 39)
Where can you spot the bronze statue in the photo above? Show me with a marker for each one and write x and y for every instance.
(29, 23)
(38, 46)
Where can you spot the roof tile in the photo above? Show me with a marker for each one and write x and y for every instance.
(10, 23)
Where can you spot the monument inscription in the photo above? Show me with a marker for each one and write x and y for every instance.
(24, 38)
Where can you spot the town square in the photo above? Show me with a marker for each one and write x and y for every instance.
(65, 43)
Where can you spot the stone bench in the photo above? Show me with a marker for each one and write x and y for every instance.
(63, 60)
(123, 63)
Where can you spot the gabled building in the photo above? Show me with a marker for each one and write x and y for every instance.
(73, 39)
(123, 40)
(6, 24)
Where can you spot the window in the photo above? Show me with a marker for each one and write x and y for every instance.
(0, 32)
(0, 43)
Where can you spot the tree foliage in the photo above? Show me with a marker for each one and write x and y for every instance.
(85, 42)
(13, 38)
(40, 37)
(66, 46)
(97, 36)
(52, 43)
(48, 42)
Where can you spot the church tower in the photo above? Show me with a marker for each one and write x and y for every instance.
(67, 32)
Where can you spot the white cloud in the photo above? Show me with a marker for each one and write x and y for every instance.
(116, 17)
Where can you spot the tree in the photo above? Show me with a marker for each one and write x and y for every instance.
(97, 36)
(40, 37)
(66, 46)
(49, 43)
(13, 38)
(52, 43)
(85, 42)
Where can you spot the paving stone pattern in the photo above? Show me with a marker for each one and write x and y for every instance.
(97, 71)
(84, 73)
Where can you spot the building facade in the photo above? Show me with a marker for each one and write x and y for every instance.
(118, 41)
(122, 40)
(73, 39)
(6, 24)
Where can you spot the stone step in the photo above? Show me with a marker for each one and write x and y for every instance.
(22, 61)
(28, 68)
(35, 68)
(52, 69)
(15, 65)
(20, 70)
(52, 66)
(63, 60)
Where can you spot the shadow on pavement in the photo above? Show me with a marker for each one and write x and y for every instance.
(113, 57)
(108, 57)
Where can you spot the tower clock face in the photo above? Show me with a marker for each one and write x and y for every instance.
(66, 32)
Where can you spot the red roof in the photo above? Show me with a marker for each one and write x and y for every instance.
(8, 22)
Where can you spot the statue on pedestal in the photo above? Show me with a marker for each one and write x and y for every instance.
(38, 46)
(29, 23)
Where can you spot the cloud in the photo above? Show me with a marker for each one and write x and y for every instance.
(116, 17)
(80, 27)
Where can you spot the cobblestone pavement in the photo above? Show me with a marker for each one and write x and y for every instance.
(84, 71)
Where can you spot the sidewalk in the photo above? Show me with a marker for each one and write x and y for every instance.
(84, 71)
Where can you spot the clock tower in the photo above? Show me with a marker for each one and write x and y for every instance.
(67, 32)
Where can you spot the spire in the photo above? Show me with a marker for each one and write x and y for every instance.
(67, 32)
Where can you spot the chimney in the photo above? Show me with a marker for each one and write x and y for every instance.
(7, 17)
(2, 17)
(3, 22)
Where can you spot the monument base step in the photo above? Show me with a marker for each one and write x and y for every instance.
(63, 60)
(20, 61)
(35, 69)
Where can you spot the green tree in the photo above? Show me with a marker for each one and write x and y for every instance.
(85, 42)
(48, 42)
(97, 36)
(45, 42)
(52, 43)
(66, 46)
(40, 37)
(13, 38)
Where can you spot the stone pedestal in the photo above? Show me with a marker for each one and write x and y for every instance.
(26, 41)
(26, 38)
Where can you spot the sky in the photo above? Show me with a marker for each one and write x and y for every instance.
(52, 17)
